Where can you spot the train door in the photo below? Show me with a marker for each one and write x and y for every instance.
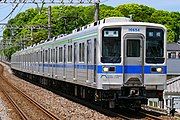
(56, 61)
(41, 62)
(39, 57)
(133, 60)
(37, 63)
(31, 61)
(52, 64)
(46, 62)
(94, 60)
(43, 54)
(49, 61)
(75, 60)
(60, 67)
(64, 62)
(89, 61)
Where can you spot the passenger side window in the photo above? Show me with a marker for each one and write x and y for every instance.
(53, 55)
(70, 53)
(49, 55)
(37, 57)
(56, 58)
(89, 51)
(81, 52)
(169, 55)
(41, 56)
(46, 55)
(60, 54)
(75, 52)
(172, 55)
(179, 55)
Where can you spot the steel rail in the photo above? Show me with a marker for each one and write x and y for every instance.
(54, 117)
(151, 116)
(18, 109)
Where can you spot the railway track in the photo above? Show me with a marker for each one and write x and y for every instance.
(130, 114)
(151, 115)
(27, 108)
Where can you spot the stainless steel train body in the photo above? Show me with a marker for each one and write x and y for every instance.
(126, 58)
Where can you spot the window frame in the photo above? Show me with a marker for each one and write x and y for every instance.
(60, 54)
(69, 54)
(82, 52)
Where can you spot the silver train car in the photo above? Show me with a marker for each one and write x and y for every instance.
(112, 62)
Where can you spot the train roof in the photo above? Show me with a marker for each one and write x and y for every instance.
(173, 86)
(173, 47)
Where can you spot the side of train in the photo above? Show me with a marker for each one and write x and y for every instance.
(112, 62)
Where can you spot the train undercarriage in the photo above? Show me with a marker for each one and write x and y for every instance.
(126, 97)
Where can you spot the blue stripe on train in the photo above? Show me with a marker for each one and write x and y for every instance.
(118, 69)
(134, 69)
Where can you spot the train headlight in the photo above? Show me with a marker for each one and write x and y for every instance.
(105, 69)
(159, 70)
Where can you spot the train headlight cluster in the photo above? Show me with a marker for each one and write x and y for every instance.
(159, 70)
(105, 69)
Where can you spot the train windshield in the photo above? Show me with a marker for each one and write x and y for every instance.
(154, 46)
(111, 45)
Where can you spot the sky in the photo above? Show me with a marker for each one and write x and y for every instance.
(168, 5)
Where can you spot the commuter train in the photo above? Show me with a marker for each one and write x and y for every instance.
(113, 62)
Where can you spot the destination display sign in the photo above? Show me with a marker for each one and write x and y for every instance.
(154, 34)
(111, 33)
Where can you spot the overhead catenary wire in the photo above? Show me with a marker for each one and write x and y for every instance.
(10, 12)
(21, 8)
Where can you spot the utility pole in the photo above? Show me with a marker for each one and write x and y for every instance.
(32, 33)
(1, 42)
(21, 42)
(49, 22)
(11, 35)
(96, 16)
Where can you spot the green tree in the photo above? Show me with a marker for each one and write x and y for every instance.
(139, 12)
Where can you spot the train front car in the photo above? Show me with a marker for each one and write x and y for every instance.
(132, 63)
